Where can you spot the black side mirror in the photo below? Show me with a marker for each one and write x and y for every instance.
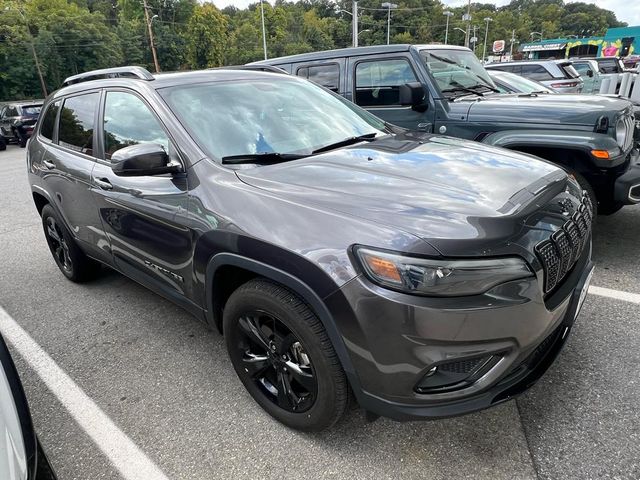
(414, 95)
(589, 73)
(142, 159)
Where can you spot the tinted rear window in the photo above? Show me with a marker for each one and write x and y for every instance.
(325, 75)
(77, 120)
(49, 121)
(31, 110)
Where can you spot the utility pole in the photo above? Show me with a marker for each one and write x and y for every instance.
(467, 18)
(354, 22)
(32, 46)
(513, 40)
(389, 6)
(153, 46)
(474, 39)
(264, 32)
(448, 14)
(486, 34)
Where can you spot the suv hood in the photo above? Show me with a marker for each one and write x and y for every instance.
(437, 188)
(557, 109)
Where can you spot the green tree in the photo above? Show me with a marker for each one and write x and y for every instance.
(206, 37)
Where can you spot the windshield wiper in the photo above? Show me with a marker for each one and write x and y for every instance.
(367, 137)
(462, 89)
(264, 158)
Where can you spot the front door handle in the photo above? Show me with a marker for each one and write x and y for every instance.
(49, 164)
(103, 183)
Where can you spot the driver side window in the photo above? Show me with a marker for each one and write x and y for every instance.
(128, 121)
(378, 82)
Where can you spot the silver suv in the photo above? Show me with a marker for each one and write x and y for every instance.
(557, 74)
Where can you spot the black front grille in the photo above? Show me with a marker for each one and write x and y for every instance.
(560, 253)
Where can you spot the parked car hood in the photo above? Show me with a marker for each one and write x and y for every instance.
(438, 188)
(545, 109)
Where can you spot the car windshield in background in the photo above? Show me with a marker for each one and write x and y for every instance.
(458, 72)
(31, 110)
(260, 117)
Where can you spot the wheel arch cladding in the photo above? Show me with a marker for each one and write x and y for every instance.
(244, 268)
(40, 201)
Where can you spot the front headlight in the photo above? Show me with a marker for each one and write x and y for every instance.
(621, 133)
(441, 278)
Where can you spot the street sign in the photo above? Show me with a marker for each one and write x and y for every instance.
(466, 17)
(498, 46)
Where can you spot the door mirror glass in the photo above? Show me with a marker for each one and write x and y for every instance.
(413, 94)
(142, 159)
(589, 73)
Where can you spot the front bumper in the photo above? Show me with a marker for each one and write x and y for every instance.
(395, 341)
(627, 186)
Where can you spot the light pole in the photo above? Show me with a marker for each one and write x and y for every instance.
(33, 50)
(448, 14)
(464, 32)
(389, 6)
(486, 35)
(264, 32)
(354, 21)
(513, 40)
(467, 18)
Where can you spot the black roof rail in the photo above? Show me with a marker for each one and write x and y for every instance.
(118, 72)
(260, 68)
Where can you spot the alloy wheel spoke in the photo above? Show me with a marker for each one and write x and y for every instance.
(286, 396)
(253, 331)
(255, 365)
(51, 231)
(301, 376)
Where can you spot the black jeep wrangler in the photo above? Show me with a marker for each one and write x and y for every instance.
(445, 89)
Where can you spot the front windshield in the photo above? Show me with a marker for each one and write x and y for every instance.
(455, 70)
(264, 116)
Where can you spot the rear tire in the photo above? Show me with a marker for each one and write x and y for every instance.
(283, 356)
(71, 261)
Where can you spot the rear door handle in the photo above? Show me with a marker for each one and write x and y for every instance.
(49, 164)
(103, 183)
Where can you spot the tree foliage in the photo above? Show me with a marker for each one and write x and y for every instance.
(71, 36)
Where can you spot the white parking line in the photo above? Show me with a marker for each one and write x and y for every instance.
(616, 294)
(125, 455)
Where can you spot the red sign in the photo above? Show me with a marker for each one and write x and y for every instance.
(498, 46)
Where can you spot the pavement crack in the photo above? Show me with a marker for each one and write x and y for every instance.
(526, 439)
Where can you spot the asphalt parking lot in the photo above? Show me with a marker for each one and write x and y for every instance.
(164, 384)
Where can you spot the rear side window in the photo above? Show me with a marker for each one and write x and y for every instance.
(325, 75)
(49, 121)
(128, 121)
(378, 82)
(536, 72)
(11, 112)
(77, 122)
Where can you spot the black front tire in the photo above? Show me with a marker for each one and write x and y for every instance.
(71, 261)
(586, 186)
(331, 391)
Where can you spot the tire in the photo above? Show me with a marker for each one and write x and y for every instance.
(3, 143)
(270, 333)
(585, 185)
(71, 261)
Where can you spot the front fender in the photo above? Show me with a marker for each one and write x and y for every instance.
(583, 142)
(298, 286)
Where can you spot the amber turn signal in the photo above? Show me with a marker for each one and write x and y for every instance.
(603, 154)
(383, 268)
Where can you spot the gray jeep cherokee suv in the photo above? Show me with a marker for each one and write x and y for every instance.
(424, 275)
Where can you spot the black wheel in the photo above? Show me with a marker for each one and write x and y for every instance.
(586, 186)
(283, 356)
(3, 143)
(73, 263)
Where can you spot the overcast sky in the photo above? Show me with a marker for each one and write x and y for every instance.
(626, 10)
